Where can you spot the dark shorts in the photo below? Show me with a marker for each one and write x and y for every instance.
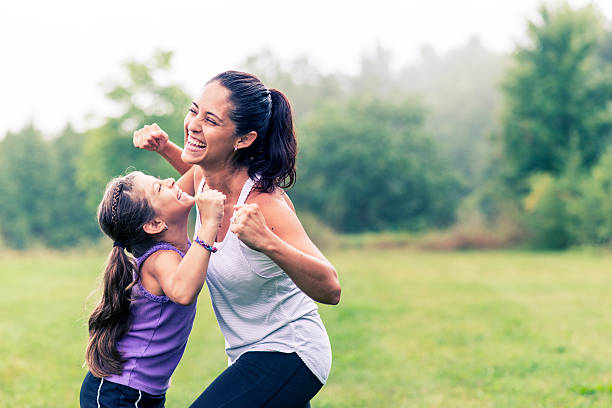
(262, 379)
(96, 392)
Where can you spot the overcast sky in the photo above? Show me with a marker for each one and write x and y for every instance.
(56, 53)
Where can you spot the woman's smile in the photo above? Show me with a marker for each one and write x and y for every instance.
(194, 144)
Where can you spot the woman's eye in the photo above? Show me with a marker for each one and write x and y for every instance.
(193, 111)
(209, 120)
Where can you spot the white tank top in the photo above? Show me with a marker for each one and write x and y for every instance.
(258, 307)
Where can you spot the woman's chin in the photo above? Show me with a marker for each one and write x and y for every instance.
(190, 157)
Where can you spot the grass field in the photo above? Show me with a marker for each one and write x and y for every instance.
(413, 329)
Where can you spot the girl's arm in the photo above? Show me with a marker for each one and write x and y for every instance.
(153, 138)
(269, 225)
(182, 279)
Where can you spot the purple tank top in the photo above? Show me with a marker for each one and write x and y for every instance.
(157, 337)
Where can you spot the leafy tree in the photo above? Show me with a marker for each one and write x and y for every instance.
(26, 188)
(458, 90)
(73, 222)
(556, 95)
(142, 99)
(590, 207)
(365, 164)
(547, 212)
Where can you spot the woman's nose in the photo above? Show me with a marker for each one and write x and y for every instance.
(194, 125)
(170, 182)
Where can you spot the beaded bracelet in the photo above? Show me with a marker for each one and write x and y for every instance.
(205, 245)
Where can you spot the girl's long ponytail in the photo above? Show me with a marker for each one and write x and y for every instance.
(109, 320)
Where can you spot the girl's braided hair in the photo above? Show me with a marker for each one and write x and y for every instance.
(121, 215)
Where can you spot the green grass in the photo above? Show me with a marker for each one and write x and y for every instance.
(413, 329)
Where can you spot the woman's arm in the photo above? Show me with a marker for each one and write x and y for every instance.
(270, 226)
(186, 182)
(154, 139)
(172, 154)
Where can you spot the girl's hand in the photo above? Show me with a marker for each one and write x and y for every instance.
(250, 226)
(210, 205)
(151, 137)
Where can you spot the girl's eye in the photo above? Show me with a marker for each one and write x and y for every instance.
(209, 120)
(193, 111)
(158, 188)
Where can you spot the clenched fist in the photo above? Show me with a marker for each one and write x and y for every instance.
(150, 137)
(250, 226)
(210, 205)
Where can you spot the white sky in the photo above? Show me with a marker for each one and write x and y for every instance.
(54, 54)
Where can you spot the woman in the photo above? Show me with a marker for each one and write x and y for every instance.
(239, 140)
(138, 331)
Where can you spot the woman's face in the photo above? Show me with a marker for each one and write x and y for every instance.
(209, 132)
(166, 198)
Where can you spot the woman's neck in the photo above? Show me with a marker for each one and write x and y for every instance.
(228, 180)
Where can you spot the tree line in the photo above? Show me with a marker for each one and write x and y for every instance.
(469, 134)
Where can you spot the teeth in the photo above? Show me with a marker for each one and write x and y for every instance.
(195, 143)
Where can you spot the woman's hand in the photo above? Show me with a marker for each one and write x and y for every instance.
(210, 205)
(151, 137)
(250, 226)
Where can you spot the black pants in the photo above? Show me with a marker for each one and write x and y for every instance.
(262, 379)
(96, 392)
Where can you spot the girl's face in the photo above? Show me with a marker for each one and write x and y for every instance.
(209, 132)
(166, 198)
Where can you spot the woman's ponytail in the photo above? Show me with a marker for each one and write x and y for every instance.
(280, 147)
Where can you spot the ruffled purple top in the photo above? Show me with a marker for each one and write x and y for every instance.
(156, 340)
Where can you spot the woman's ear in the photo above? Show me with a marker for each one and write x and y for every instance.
(155, 226)
(245, 140)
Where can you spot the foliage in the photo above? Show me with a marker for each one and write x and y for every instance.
(547, 213)
(458, 90)
(556, 95)
(590, 211)
(373, 158)
(141, 98)
(26, 188)
(42, 205)
(365, 164)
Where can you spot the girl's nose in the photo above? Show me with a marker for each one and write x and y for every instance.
(170, 182)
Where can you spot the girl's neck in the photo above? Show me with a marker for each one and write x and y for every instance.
(228, 180)
(177, 235)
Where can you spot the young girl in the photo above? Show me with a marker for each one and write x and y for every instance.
(139, 330)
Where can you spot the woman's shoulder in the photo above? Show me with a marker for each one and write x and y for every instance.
(277, 210)
(276, 200)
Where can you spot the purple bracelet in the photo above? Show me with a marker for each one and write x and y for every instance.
(205, 245)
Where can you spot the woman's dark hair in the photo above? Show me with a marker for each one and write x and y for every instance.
(121, 215)
(267, 112)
